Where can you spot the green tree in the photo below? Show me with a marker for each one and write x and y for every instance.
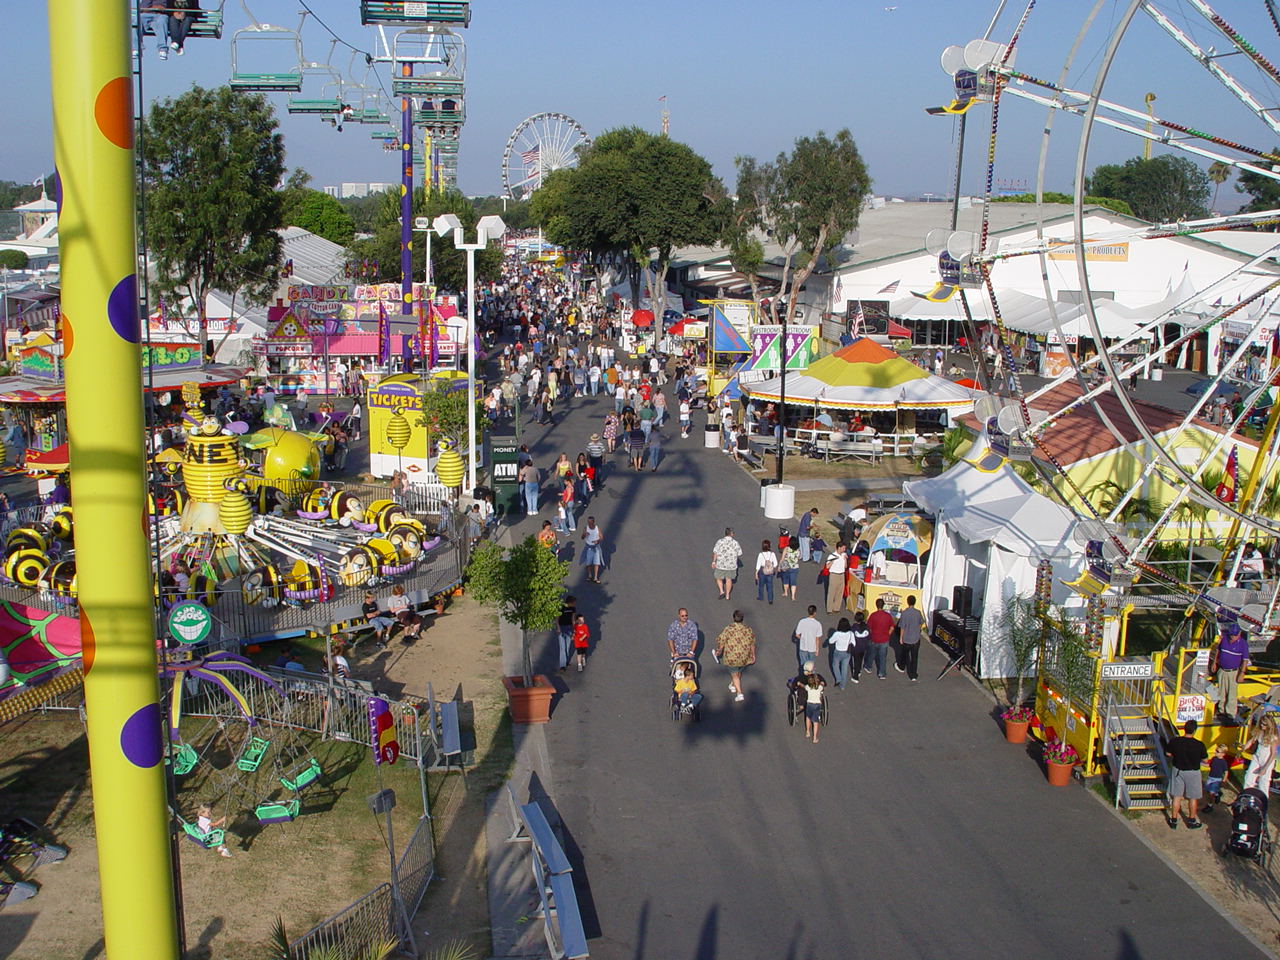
(806, 201)
(212, 162)
(1110, 203)
(318, 212)
(1162, 189)
(13, 259)
(1263, 192)
(363, 211)
(525, 583)
(514, 213)
(448, 265)
(1219, 173)
(633, 193)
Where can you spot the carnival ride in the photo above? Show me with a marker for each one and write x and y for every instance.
(537, 146)
(270, 529)
(983, 71)
(1120, 566)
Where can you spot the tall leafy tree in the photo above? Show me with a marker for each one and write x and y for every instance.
(635, 196)
(318, 212)
(1161, 189)
(212, 163)
(449, 266)
(806, 201)
(1263, 191)
(1219, 173)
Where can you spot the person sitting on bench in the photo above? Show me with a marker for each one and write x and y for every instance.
(375, 618)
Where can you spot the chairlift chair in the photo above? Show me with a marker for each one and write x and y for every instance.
(415, 12)
(440, 111)
(281, 40)
(205, 24)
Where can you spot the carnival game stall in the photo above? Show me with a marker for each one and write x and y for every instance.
(991, 531)
(867, 388)
(894, 553)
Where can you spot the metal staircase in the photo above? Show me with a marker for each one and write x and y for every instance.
(1135, 754)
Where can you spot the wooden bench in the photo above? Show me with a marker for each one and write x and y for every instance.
(863, 451)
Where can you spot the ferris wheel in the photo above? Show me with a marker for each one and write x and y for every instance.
(1222, 119)
(538, 145)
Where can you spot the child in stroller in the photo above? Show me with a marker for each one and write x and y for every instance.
(685, 697)
(1249, 835)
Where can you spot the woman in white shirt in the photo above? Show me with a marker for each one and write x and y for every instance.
(766, 567)
(841, 641)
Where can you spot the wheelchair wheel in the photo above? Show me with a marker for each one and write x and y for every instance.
(822, 711)
(793, 706)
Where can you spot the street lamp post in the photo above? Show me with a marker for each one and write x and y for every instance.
(489, 228)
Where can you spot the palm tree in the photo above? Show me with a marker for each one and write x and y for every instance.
(1106, 494)
(278, 948)
(1218, 173)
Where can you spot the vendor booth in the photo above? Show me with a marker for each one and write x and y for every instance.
(991, 529)
(897, 549)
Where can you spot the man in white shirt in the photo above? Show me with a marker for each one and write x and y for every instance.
(837, 565)
(808, 634)
(593, 378)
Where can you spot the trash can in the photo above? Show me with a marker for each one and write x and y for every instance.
(711, 436)
(779, 501)
(765, 484)
(1157, 373)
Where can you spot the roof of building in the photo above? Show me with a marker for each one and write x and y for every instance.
(1082, 434)
(315, 259)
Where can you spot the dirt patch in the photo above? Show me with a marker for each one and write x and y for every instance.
(301, 871)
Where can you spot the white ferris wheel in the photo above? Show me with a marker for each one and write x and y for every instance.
(1219, 111)
(538, 145)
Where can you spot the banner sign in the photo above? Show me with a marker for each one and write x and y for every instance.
(40, 364)
(171, 356)
(766, 348)
(1093, 252)
(382, 732)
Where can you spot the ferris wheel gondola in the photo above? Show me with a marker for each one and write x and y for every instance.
(538, 145)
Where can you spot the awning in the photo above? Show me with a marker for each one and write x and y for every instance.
(30, 390)
(48, 461)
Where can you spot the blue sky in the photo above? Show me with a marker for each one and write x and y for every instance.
(741, 77)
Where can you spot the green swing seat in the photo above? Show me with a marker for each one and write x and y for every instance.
(208, 840)
(278, 811)
(309, 772)
(252, 755)
(184, 759)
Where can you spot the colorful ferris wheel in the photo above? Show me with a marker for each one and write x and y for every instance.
(537, 146)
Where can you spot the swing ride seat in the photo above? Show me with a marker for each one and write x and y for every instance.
(322, 106)
(427, 87)
(205, 24)
(288, 82)
(208, 840)
(384, 135)
(307, 773)
(254, 752)
(415, 11)
(278, 811)
(184, 759)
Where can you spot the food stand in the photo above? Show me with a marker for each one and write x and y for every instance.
(894, 553)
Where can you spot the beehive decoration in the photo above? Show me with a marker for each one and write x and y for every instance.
(449, 466)
(235, 512)
(398, 430)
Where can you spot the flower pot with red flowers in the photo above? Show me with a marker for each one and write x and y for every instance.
(1059, 760)
(1016, 721)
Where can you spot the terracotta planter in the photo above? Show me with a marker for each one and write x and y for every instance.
(440, 605)
(529, 704)
(1059, 773)
(1015, 731)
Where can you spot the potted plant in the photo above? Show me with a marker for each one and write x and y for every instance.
(526, 584)
(1059, 760)
(1022, 628)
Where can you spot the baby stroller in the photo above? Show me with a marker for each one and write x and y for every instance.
(1250, 837)
(684, 669)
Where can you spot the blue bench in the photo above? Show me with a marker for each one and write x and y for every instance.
(562, 918)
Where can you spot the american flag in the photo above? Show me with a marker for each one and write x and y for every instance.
(859, 318)
(888, 287)
(530, 156)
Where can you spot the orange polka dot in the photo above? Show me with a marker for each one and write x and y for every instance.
(88, 645)
(68, 336)
(113, 111)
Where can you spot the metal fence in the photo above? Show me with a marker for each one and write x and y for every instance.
(372, 918)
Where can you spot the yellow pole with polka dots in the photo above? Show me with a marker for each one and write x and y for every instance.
(94, 190)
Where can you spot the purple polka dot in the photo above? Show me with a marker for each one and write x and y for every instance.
(122, 309)
(57, 190)
(140, 738)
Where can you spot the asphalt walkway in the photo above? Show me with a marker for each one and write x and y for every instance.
(911, 830)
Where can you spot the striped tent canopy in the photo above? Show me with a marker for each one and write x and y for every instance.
(866, 376)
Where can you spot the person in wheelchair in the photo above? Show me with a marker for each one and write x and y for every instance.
(806, 695)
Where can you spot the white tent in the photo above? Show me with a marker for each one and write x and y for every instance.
(991, 529)
(1029, 314)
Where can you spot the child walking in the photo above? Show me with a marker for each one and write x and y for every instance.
(1217, 773)
(581, 639)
